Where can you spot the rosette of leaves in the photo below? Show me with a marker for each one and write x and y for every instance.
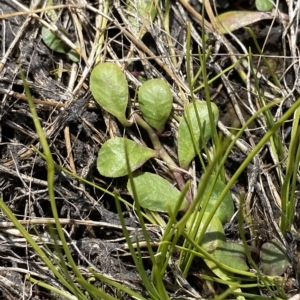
(110, 89)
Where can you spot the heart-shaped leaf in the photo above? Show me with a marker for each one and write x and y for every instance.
(110, 89)
(214, 234)
(189, 130)
(232, 255)
(112, 158)
(154, 192)
(226, 209)
(273, 258)
(141, 13)
(233, 20)
(155, 100)
(53, 42)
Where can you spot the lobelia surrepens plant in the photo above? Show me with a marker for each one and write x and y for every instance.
(225, 259)
(109, 87)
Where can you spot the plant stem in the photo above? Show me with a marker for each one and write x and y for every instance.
(163, 154)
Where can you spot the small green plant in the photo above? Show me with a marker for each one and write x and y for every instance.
(120, 156)
(110, 89)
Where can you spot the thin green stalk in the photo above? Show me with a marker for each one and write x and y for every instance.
(214, 134)
(162, 153)
(156, 291)
(137, 260)
(288, 199)
(58, 167)
(51, 288)
(233, 66)
(168, 34)
(138, 208)
(274, 77)
(95, 292)
(117, 285)
(247, 252)
(276, 143)
(242, 285)
(228, 292)
(102, 26)
(256, 297)
(202, 140)
(170, 237)
(189, 79)
(50, 179)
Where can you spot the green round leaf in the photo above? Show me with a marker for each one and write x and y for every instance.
(112, 158)
(154, 192)
(110, 89)
(273, 258)
(189, 130)
(155, 100)
(53, 42)
(232, 255)
(226, 209)
(264, 5)
(214, 235)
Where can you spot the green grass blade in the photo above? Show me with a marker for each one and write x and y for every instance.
(118, 286)
(50, 179)
(33, 244)
(288, 197)
(137, 259)
(95, 292)
(51, 288)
